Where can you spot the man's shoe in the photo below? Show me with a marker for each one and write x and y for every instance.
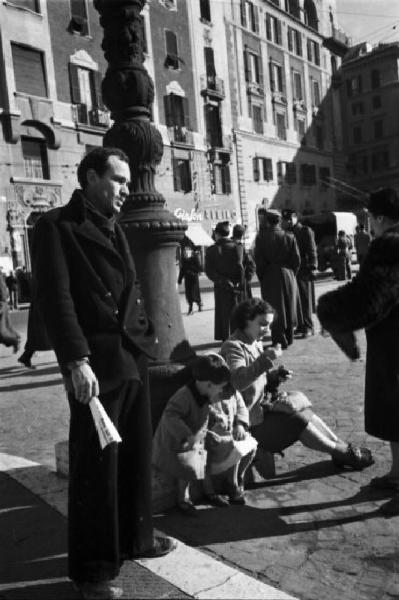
(102, 590)
(161, 547)
(24, 360)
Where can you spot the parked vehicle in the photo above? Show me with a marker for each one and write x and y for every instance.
(326, 226)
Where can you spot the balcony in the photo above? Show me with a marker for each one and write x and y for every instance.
(255, 88)
(299, 105)
(338, 43)
(180, 135)
(94, 117)
(279, 97)
(211, 85)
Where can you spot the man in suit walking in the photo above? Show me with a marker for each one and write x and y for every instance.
(305, 275)
(88, 295)
(224, 266)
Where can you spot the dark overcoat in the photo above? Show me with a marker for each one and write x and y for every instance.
(308, 252)
(189, 272)
(90, 300)
(277, 262)
(371, 301)
(224, 266)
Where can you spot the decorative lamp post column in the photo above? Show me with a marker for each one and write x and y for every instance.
(152, 231)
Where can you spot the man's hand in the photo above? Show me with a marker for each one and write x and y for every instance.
(239, 432)
(85, 384)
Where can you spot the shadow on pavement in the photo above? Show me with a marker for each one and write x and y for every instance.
(37, 371)
(31, 385)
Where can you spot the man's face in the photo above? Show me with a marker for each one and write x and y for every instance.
(108, 192)
(377, 224)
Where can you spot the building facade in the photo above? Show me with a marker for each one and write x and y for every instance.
(283, 114)
(369, 87)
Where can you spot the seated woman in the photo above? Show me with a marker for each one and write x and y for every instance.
(252, 370)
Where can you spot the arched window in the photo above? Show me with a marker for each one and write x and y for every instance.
(311, 14)
(292, 7)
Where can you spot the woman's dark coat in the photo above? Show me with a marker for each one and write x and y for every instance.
(189, 271)
(277, 262)
(371, 301)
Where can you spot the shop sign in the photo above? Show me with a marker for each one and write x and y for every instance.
(184, 215)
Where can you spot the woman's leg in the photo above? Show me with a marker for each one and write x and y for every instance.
(324, 428)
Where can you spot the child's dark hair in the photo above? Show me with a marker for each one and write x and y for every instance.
(249, 309)
(211, 367)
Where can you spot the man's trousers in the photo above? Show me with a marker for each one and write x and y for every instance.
(110, 513)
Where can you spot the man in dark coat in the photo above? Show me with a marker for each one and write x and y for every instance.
(277, 262)
(190, 268)
(12, 285)
(223, 266)
(362, 241)
(371, 301)
(305, 275)
(247, 260)
(88, 295)
(8, 335)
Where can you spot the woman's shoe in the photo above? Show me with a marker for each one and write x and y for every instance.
(187, 508)
(217, 500)
(353, 457)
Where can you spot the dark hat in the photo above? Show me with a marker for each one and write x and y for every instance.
(223, 228)
(287, 213)
(238, 230)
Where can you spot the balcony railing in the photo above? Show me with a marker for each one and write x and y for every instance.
(212, 86)
(95, 117)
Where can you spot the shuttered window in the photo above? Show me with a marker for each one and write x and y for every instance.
(209, 62)
(172, 58)
(257, 116)
(79, 20)
(182, 175)
(29, 71)
(34, 153)
(30, 4)
(267, 165)
(176, 111)
(205, 10)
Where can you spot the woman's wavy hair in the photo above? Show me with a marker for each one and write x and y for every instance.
(210, 367)
(249, 309)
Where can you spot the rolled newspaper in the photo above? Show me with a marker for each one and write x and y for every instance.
(106, 430)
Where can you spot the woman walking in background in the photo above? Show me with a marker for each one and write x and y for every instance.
(189, 271)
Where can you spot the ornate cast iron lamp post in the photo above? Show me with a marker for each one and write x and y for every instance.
(152, 231)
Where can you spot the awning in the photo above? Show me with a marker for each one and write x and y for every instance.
(197, 234)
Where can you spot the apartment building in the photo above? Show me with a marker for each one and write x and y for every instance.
(51, 110)
(284, 121)
(369, 87)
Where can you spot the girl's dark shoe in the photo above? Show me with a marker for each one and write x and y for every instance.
(24, 359)
(102, 590)
(187, 508)
(353, 457)
(217, 500)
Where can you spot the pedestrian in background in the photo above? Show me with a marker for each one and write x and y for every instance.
(362, 243)
(277, 262)
(247, 260)
(12, 285)
(305, 275)
(8, 335)
(371, 302)
(224, 266)
(343, 248)
(190, 268)
(89, 298)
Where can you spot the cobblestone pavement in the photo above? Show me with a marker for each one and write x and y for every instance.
(313, 531)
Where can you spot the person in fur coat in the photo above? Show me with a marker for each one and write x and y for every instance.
(371, 301)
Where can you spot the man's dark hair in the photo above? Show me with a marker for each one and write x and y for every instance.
(249, 309)
(211, 367)
(97, 159)
(238, 231)
(384, 202)
(272, 219)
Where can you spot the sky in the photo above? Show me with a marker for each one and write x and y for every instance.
(369, 20)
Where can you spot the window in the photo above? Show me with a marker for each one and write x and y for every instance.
(354, 86)
(252, 67)
(310, 14)
(319, 137)
(79, 22)
(30, 4)
(357, 108)
(316, 96)
(276, 77)
(262, 166)
(294, 41)
(205, 10)
(357, 134)
(290, 173)
(297, 87)
(301, 130)
(313, 52)
(29, 71)
(324, 177)
(176, 112)
(210, 67)
(378, 130)
(380, 160)
(213, 124)
(375, 79)
(34, 153)
(281, 127)
(257, 117)
(377, 102)
(221, 174)
(249, 16)
(292, 7)
(273, 29)
(86, 95)
(182, 175)
(308, 174)
(172, 58)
